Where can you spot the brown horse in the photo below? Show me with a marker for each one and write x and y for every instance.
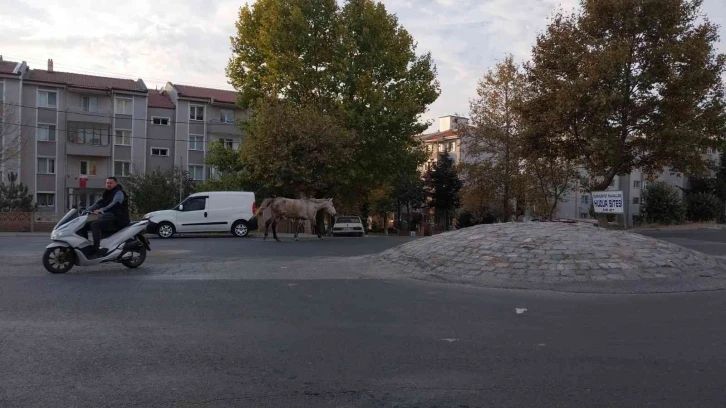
(294, 209)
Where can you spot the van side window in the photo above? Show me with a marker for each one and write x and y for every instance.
(195, 204)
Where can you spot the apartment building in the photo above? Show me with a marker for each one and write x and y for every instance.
(78, 130)
(11, 98)
(448, 139)
(75, 130)
(160, 141)
(203, 116)
(576, 204)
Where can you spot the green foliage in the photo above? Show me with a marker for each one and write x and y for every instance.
(702, 207)
(465, 219)
(662, 205)
(445, 187)
(231, 171)
(14, 196)
(297, 150)
(623, 85)
(158, 190)
(352, 65)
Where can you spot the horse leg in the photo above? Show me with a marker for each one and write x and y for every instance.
(267, 228)
(297, 228)
(274, 230)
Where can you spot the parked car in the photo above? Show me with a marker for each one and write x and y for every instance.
(212, 211)
(346, 224)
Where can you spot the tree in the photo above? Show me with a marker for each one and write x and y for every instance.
(355, 63)
(494, 142)
(445, 187)
(297, 151)
(158, 190)
(14, 197)
(662, 205)
(549, 179)
(11, 140)
(231, 172)
(625, 85)
(702, 207)
(408, 191)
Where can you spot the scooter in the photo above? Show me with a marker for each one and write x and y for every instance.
(127, 246)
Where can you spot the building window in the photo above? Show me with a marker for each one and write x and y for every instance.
(196, 112)
(88, 168)
(89, 133)
(47, 99)
(160, 121)
(585, 199)
(636, 200)
(121, 168)
(228, 143)
(158, 151)
(45, 200)
(196, 143)
(45, 133)
(441, 147)
(196, 172)
(123, 106)
(226, 116)
(636, 184)
(46, 165)
(89, 103)
(429, 148)
(451, 146)
(123, 137)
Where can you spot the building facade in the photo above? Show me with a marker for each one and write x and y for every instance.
(203, 116)
(76, 130)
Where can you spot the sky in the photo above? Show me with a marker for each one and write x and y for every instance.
(187, 41)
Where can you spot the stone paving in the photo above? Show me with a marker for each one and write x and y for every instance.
(556, 256)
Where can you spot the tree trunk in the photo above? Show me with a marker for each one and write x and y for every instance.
(385, 224)
(398, 212)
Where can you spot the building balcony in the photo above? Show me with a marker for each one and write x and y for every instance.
(78, 114)
(92, 182)
(221, 128)
(88, 139)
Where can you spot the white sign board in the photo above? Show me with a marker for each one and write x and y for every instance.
(608, 202)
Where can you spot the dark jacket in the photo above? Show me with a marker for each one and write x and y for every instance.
(120, 212)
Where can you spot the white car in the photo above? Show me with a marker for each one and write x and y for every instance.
(212, 211)
(348, 225)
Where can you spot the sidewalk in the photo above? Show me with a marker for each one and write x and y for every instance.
(682, 227)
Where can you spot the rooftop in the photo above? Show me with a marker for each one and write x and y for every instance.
(160, 99)
(87, 81)
(214, 95)
(7, 67)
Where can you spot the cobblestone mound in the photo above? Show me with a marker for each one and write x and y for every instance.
(556, 255)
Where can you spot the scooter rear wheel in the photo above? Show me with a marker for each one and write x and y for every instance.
(138, 256)
(58, 260)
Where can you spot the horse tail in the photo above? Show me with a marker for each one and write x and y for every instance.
(265, 204)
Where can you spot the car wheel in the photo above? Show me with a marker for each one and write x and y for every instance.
(240, 229)
(165, 230)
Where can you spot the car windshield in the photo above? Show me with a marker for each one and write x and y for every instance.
(347, 220)
(70, 215)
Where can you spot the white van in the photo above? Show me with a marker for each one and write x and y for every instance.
(211, 211)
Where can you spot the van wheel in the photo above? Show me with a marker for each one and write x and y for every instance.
(240, 229)
(165, 230)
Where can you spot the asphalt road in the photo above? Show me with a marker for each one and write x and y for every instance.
(708, 241)
(90, 340)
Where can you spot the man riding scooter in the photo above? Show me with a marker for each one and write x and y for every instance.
(113, 208)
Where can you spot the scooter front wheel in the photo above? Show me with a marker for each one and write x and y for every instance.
(58, 259)
(138, 256)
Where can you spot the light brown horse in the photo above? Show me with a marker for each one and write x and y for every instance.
(294, 209)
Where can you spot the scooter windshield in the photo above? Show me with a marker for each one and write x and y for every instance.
(70, 215)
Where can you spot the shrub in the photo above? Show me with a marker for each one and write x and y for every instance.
(702, 207)
(465, 219)
(662, 205)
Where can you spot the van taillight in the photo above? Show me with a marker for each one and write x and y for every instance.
(254, 208)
